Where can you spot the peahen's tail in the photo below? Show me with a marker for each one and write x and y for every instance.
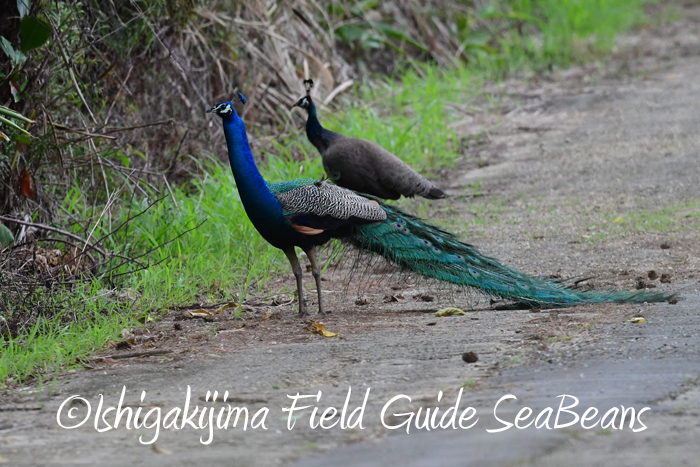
(424, 249)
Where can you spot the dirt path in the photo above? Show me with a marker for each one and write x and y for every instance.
(564, 160)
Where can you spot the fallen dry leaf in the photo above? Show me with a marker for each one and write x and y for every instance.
(158, 450)
(228, 305)
(394, 298)
(201, 313)
(26, 185)
(637, 319)
(319, 328)
(449, 311)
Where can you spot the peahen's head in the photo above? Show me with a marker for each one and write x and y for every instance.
(305, 102)
(225, 109)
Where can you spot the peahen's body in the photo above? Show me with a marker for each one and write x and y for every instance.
(364, 166)
(308, 213)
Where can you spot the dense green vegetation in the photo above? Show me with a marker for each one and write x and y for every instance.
(203, 246)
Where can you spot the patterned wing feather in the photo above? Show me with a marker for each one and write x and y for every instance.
(317, 201)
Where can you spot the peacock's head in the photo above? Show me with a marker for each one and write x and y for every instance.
(225, 109)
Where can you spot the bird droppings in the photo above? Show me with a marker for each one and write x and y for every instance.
(642, 283)
(665, 246)
(424, 297)
(652, 275)
(394, 298)
(665, 278)
(470, 357)
(122, 345)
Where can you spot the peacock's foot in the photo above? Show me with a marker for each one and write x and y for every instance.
(302, 310)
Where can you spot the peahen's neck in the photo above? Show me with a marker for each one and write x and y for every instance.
(319, 136)
(260, 204)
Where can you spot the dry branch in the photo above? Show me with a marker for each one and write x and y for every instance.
(69, 235)
(147, 353)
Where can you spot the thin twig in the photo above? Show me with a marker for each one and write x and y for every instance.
(51, 229)
(169, 121)
(70, 67)
(67, 234)
(149, 251)
(172, 196)
(119, 92)
(147, 353)
(84, 133)
(50, 239)
(179, 67)
(129, 219)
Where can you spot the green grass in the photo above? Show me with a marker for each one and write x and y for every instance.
(607, 224)
(55, 344)
(225, 257)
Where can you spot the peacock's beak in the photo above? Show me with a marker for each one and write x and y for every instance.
(211, 110)
(299, 102)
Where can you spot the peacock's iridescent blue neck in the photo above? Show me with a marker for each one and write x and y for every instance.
(262, 207)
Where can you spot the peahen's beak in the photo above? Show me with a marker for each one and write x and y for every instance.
(298, 103)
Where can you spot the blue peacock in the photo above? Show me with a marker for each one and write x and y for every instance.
(307, 213)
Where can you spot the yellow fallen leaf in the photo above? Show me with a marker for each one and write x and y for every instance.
(319, 328)
(637, 319)
(449, 311)
(585, 236)
(618, 220)
(201, 313)
(158, 450)
(228, 305)
(146, 318)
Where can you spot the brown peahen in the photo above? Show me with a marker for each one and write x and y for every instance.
(361, 165)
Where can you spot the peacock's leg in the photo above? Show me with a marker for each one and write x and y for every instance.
(316, 271)
(296, 269)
